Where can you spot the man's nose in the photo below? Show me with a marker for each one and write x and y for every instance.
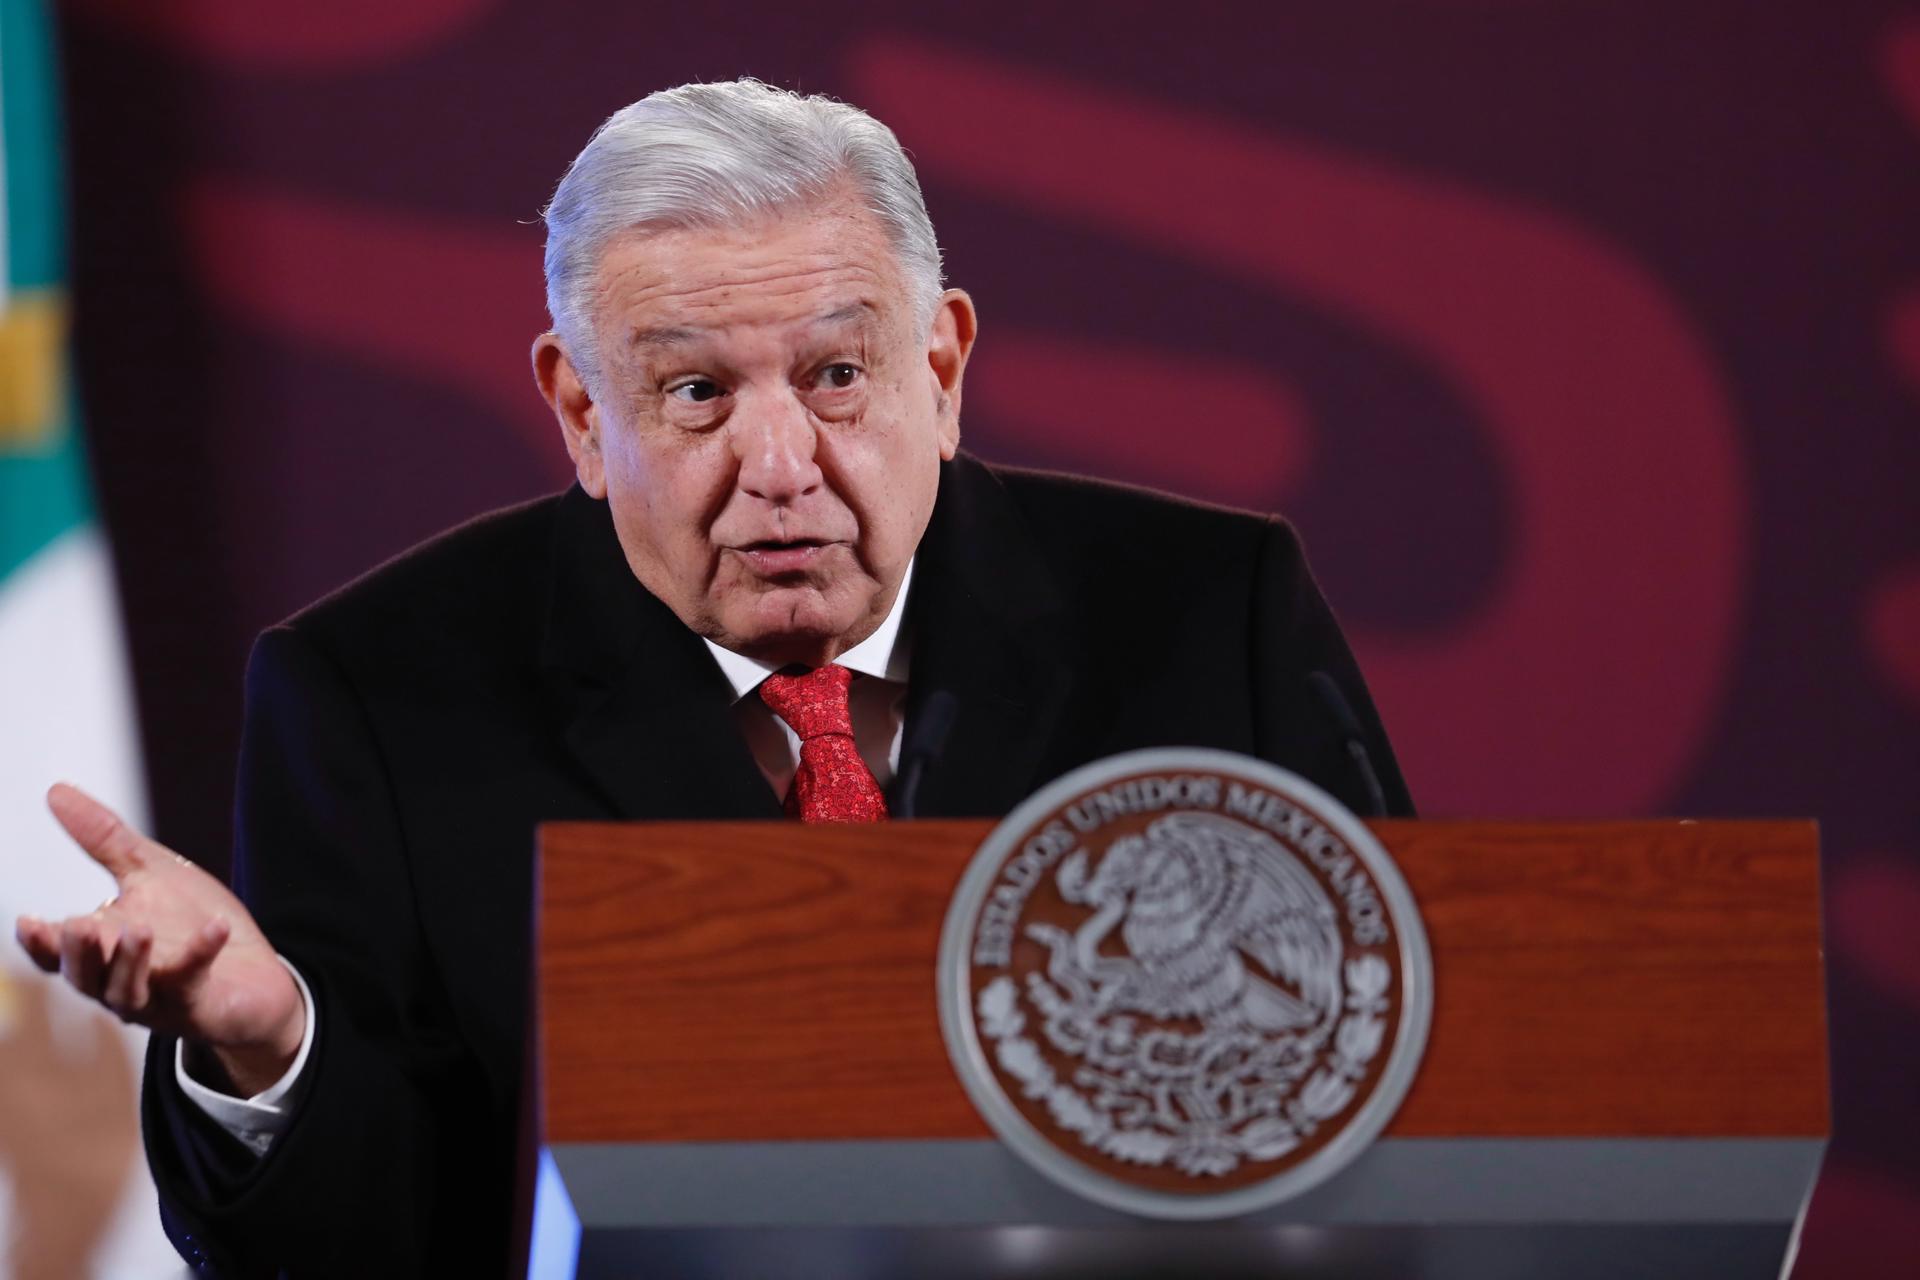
(775, 439)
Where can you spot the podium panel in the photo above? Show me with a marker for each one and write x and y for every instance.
(742, 1069)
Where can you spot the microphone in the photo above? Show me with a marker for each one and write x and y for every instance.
(1353, 737)
(930, 731)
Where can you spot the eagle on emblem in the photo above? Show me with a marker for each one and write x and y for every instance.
(1220, 922)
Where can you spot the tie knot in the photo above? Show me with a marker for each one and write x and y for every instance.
(812, 704)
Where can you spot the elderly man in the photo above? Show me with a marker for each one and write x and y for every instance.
(774, 557)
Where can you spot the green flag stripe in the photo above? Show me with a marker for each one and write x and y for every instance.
(41, 497)
(30, 110)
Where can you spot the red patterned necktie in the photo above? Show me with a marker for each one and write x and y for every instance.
(832, 784)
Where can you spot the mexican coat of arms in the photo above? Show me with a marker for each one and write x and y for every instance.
(1185, 983)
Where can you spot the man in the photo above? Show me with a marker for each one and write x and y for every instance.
(774, 557)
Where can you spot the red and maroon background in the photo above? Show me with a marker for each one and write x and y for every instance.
(1582, 340)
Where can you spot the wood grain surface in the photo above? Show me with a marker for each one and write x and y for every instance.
(734, 981)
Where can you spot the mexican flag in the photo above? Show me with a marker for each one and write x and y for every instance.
(74, 1196)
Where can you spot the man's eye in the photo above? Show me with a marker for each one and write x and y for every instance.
(695, 390)
(838, 376)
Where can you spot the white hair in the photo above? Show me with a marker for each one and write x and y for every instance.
(718, 155)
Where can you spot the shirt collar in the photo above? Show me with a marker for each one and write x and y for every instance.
(883, 654)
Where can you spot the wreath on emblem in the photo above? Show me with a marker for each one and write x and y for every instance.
(1231, 1029)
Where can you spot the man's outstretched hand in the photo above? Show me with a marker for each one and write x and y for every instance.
(175, 951)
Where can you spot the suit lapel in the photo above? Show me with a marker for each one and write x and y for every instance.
(989, 627)
(640, 703)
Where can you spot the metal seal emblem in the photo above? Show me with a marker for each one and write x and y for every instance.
(1184, 983)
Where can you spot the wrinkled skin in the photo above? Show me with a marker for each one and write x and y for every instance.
(770, 423)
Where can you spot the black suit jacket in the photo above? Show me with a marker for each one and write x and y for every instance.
(404, 736)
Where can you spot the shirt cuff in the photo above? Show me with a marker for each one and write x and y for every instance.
(258, 1120)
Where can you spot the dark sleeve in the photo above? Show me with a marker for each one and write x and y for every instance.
(1294, 634)
(320, 860)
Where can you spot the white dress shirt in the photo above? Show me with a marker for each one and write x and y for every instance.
(877, 700)
(258, 1120)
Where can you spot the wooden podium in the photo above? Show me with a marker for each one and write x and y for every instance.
(741, 1071)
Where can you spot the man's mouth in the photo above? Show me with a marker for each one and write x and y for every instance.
(773, 556)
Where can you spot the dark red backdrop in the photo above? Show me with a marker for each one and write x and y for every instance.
(1582, 339)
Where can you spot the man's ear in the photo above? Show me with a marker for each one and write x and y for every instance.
(566, 394)
(949, 343)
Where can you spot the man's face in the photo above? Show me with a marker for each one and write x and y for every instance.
(770, 425)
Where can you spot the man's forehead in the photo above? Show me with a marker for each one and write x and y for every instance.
(809, 266)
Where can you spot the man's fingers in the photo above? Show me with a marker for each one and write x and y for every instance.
(40, 940)
(142, 986)
(126, 986)
(205, 944)
(98, 829)
(82, 957)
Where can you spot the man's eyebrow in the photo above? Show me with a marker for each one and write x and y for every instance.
(667, 337)
(852, 311)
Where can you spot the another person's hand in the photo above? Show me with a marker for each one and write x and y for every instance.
(175, 951)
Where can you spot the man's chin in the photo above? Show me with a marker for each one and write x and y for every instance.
(792, 625)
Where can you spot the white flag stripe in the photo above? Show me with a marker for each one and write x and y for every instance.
(65, 713)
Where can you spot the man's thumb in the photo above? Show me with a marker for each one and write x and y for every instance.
(97, 829)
